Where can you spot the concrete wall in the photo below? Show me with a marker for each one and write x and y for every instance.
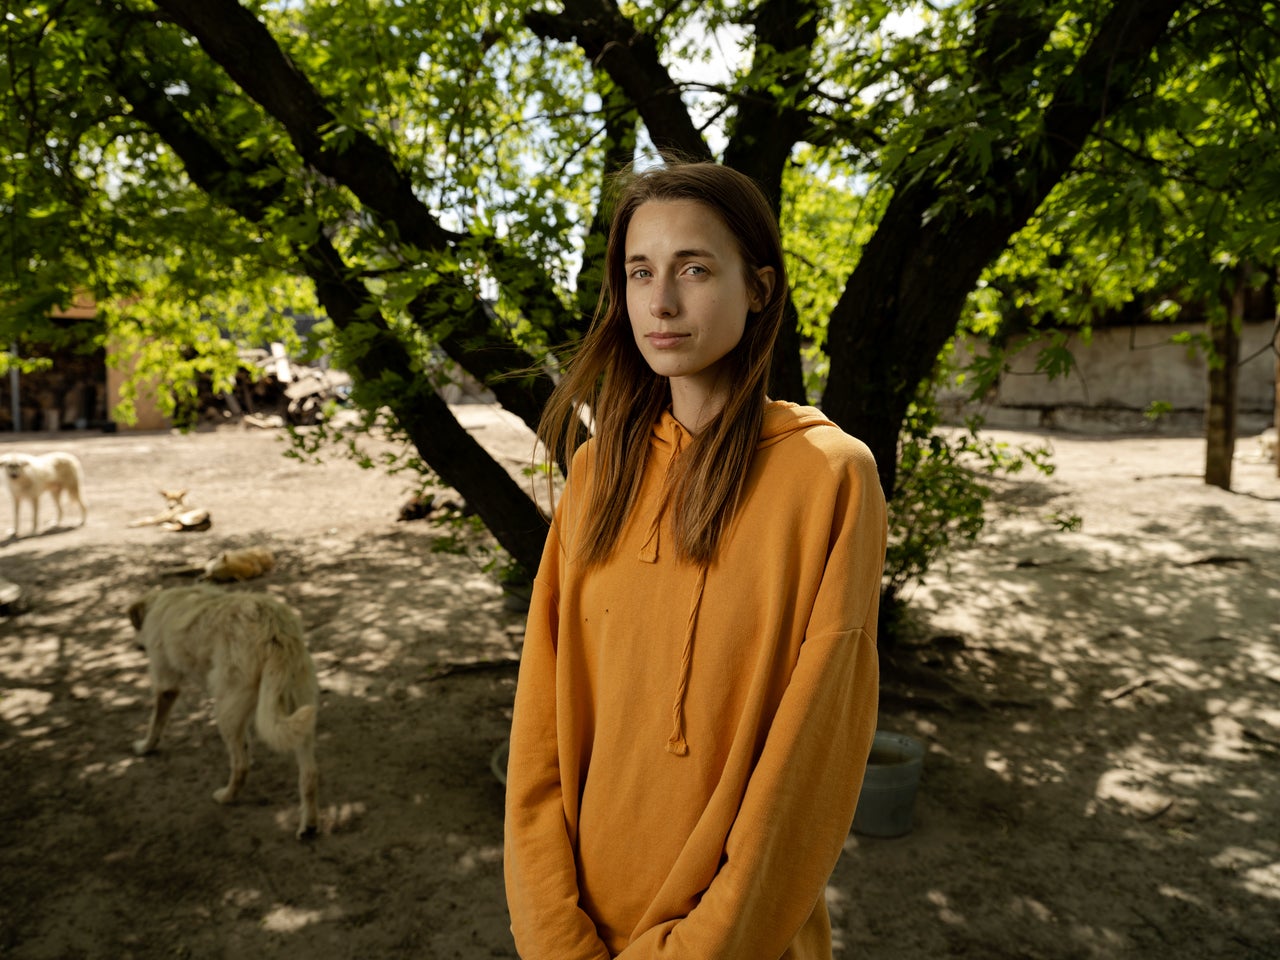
(148, 412)
(1118, 375)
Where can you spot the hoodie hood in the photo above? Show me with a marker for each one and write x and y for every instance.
(781, 419)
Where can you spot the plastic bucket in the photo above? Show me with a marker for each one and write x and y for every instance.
(889, 786)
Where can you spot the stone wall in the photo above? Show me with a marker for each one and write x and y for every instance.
(1117, 376)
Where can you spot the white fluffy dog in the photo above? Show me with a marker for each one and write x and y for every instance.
(250, 649)
(31, 476)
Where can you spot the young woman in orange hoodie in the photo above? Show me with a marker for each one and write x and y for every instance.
(697, 693)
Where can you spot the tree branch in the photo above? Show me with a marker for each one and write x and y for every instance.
(445, 445)
(235, 39)
(630, 58)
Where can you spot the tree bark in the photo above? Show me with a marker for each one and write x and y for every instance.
(509, 513)
(1224, 376)
(762, 135)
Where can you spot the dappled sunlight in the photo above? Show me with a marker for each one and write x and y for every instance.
(114, 769)
(1259, 870)
(469, 857)
(1132, 791)
(242, 898)
(342, 816)
(19, 705)
(1097, 941)
(409, 810)
(1263, 881)
(283, 918)
(942, 905)
(1109, 721)
(1032, 909)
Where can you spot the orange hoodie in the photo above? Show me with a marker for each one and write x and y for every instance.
(688, 742)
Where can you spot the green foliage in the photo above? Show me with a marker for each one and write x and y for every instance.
(1066, 522)
(943, 490)
(825, 222)
(1159, 208)
(202, 216)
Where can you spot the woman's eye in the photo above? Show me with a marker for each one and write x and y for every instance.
(695, 269)
(640, 273)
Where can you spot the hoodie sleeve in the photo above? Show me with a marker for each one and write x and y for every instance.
(799, 803)
(538, 861)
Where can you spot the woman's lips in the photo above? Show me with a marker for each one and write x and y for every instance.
(664, 341)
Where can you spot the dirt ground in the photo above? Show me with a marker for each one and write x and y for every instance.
(1102, 777)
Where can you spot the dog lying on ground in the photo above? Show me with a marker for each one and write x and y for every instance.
(31, 476)
(176, 515)
(250, 649)
(174, 504)
(242, 564)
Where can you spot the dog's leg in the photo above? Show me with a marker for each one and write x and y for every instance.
(308, 787)
(234, 711)
(159, 717)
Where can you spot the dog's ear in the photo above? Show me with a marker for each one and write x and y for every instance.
(137, 611)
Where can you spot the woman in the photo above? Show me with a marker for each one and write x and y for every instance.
(697, 692)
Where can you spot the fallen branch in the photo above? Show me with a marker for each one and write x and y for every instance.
(1112, 695)
(1256, 737)
(1216, 559)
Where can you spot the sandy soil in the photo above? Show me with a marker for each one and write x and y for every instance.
(1099, 706)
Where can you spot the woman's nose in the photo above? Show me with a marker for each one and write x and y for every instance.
(662, 298)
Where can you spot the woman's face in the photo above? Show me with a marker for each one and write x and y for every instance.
(687, 295)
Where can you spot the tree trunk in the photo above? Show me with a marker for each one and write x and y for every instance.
(1224, 374)
(509, 513)
(506, 509)
(906, 295)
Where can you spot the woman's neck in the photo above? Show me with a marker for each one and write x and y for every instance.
(695, 405)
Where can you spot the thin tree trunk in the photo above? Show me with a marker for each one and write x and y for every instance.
(1275, 410)
(1224, 375)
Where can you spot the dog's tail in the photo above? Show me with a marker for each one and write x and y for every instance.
(287, 693)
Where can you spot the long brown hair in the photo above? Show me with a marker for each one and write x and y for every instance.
(624, 398)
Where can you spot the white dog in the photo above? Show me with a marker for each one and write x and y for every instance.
(53, 473)
(250, 649)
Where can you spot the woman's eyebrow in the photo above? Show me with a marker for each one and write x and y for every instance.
(678, 255)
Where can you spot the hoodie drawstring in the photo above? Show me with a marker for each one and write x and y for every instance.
(649, 549)
(676, 743)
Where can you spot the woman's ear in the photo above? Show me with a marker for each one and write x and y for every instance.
(763, 288)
